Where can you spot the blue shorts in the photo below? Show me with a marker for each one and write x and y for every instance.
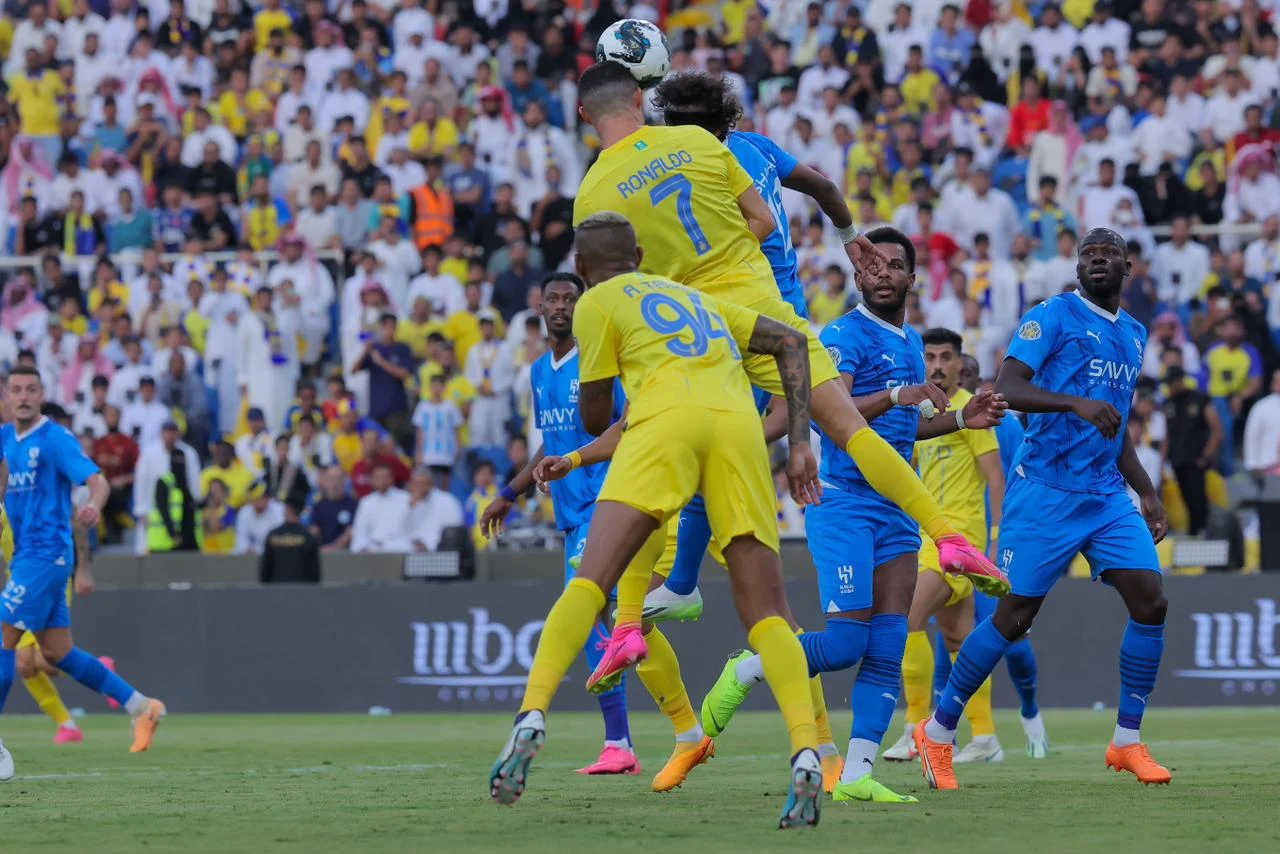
(1044, 527)
(35, 598)
(850, 534)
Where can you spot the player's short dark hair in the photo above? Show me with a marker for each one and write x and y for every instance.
(569, 278)
(25, 370)
(940, 336)
(603, 83)
(887, 234)
(698, 99)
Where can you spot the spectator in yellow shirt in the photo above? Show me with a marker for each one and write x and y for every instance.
(919, 84)
(432, 135)
(230, 471)
(240, 103)
(463, 327)
(830, 299)
(34, 93)
(415, 329)
(270, 18)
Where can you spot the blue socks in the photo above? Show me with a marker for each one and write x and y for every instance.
(841, 645)
(691, 545)
(941, 668)
(875, 690)
(613, 703)
(93, 674)
(979, 656)
(1140, 653)
(1020, 659)
(8, 664)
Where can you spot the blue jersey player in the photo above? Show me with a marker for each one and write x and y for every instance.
(706, 101)
(43, 463)
(1072, 366)
(554, 378)
(865, 547)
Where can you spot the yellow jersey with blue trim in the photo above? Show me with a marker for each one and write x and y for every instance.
(673, 347)
(679, 186)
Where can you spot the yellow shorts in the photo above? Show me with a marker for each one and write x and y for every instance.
(28, 640)
(961, 587)
(663, 461)
(762, 370)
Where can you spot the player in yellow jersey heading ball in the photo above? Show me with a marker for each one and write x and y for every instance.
(700, 221)
(691, 428)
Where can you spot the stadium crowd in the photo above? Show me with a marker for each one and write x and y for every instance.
(279, 260)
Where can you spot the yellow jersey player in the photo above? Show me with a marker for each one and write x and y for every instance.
(691, 427)
(700, 221)
(957, 468)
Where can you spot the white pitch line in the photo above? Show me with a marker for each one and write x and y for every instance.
(227, 772)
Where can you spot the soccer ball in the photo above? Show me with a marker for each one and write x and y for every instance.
(640, 46)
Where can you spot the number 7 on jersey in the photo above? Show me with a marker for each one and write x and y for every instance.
(682, 188)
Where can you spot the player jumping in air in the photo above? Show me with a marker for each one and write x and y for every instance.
(864, 547)
(958, 468)
(701, 220)
(42, 463)
(1072, 365)
(554, 378)
(1019, 658)
(692, 427)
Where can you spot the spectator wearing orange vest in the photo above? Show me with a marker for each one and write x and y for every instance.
(429, 209)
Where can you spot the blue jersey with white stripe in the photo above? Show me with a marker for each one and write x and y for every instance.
(1080, 349)
(45, 464)
(768, 165)
(880, 356)
(555, 412)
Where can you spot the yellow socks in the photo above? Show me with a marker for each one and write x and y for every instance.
(660, 673)
(787, 673)
(634, 583)
(563, 636)
(45, 693)
(917, 676)
(820, 719)
(978, 710)
(891, 476)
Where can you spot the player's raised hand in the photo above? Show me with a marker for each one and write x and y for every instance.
(985, 409)
(88, 516)
(491, 518)
(915, 395)
(802, 475)
(866, 259)
(1153, 513)
(1100, 414)
(549, 469)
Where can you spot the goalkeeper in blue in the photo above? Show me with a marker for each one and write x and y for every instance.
(1072, 365)
(42, 463)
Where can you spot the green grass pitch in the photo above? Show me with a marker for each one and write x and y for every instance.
(418, 784)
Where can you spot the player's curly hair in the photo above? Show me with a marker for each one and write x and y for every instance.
(694, 98)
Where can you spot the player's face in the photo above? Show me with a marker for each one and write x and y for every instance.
(942, 366)
(889, 293)
(969, 379)
(558, 300)
(24, 396)
(1101, 268)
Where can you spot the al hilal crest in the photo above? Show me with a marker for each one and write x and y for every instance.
(1030, 331)
(33, 456)
(573, 391)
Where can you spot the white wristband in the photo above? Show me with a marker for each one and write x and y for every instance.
(959, 419)
(893, 394)
(848, 234)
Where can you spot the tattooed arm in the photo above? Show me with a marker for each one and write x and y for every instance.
(595, 405)
(790, 349)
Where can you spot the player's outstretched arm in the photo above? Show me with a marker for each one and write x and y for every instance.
(1136, 476)
(599, 450)
(985, 409)
(491, 518)
(866, 260)
(790, 349)
(755, 210)
(1014, 383)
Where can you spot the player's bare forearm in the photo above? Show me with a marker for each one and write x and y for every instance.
(776, 421)
(818, 187)
(939, 425)
(595, 405)
(99, 491)
(1133, 472)
(524, 478)
(601, 449)
(993, 470)
(1014, 382)
(872, 406)
(790, 349)
(755, 210)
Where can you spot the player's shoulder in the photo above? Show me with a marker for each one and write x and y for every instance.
(1132, 326)
(684, 134)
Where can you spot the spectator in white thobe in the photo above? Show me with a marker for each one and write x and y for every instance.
(431, 510)
(382, 517)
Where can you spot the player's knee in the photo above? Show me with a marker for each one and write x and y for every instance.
(26, 663)
(54, 652)
(1152, 611)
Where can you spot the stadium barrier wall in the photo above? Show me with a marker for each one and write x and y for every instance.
(468, 646)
